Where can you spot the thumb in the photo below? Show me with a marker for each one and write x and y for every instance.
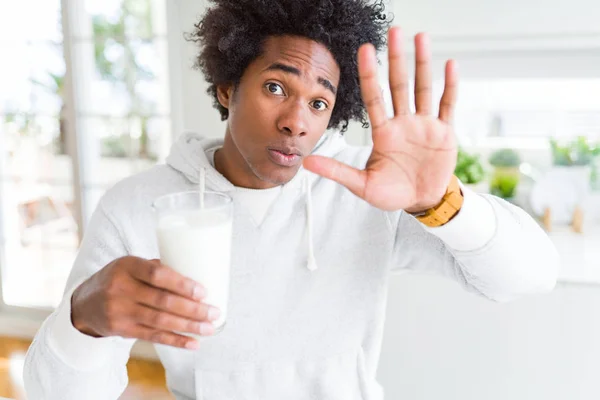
(353, 179)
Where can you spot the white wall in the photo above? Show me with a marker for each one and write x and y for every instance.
(509, 38)
(440, 342)
(485, 18)
(443, 343)
(196, 106)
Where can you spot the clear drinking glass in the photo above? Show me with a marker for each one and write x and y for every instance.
(195, 240)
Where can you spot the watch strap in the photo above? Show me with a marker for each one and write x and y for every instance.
(447, 209)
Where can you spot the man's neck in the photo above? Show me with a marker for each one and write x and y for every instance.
(232, 165)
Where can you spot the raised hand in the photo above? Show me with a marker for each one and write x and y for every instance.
(414, 155)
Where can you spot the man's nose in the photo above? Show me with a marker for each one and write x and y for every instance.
(293, 121)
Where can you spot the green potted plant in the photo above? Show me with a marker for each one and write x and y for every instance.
(469, 169)
(566, 185)
(506, 175)
(574, 161)
(577, 152)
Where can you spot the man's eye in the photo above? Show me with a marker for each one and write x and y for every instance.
(320, 105)
(274, 88)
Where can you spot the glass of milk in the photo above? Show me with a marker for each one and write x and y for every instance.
(194, 239)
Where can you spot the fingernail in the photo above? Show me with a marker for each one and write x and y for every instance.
(206, 329)
(213, 314)
(192, 345)
(199, 292)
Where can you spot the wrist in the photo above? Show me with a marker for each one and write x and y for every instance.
(78, 350)
(422, 208)
(76, 320)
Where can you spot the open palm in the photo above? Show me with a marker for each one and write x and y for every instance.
(414, 155)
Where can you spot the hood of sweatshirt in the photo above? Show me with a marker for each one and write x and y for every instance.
(189, 157)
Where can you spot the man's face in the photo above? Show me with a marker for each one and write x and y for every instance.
(281, 108)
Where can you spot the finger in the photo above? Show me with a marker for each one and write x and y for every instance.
(422, 75)
(159, 275)
(398, 74)
(369, 86)
(351, 178)
(164, 321)
(448, 101)
(164, 337)
(174, 304)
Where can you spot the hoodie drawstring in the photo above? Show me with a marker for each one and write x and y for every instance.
(312, 263)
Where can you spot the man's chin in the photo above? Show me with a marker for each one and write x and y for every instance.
(280, 175)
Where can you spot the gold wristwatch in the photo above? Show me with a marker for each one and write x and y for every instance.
(446, 210)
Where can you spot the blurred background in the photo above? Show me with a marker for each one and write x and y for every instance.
(93, 91)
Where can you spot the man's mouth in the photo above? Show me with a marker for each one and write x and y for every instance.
(285, 156)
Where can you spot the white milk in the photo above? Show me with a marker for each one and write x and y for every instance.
(197, 244)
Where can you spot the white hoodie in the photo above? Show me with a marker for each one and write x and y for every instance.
(306, 312)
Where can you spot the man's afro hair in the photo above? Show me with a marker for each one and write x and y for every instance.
(232, 32)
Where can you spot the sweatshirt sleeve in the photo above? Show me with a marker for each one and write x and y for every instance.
(491, 247)
(63, 363)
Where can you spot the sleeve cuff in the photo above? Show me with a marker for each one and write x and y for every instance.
(473, 227)
(74, 348)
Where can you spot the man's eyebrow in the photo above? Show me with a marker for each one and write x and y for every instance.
(283, 67)
(327, 84)
(295, 71)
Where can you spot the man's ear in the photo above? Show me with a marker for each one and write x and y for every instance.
(225, 95)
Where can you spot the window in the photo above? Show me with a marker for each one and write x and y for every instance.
(38, 230)
(50, 179)
(528, 111)
(119, 54)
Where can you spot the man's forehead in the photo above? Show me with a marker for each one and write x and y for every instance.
(304, 54)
